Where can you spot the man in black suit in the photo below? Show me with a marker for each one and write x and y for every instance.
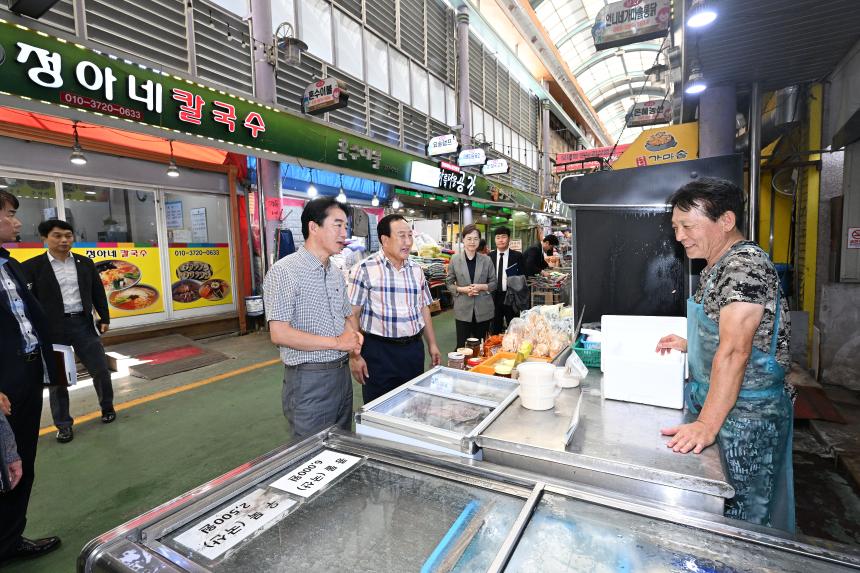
(27, 361)
(69, 288)
(507, 262)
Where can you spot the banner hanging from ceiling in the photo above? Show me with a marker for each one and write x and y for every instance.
(628, 21)
(662, 145)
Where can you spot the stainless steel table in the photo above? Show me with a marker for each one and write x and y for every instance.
(616, 446)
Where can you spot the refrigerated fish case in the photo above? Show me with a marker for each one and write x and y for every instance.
(343, 503)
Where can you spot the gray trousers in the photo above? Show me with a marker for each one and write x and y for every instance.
(316, 396)
(78, 332)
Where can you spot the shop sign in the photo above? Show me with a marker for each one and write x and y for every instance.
(452, 178)
(325, 95)
(579, 160)
(424, 174)
(649, 113)
(495, 167)
(854, 237)
(200, 275)
(662, 145)
(222, 530)
(46, 71)
(516, 245)
(442, 145)
(130, 273)
(551, 207)
(469, 157)
(316, 473)
(628, 21)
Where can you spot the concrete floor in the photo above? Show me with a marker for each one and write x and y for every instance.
(176, 432)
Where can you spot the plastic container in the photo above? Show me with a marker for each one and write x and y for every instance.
(589, 356)
(538, 386)
(466, 352)
(488, 365)
(565, 379)
(474, 361)
(254, 305)
(455, 360)
(502, 370)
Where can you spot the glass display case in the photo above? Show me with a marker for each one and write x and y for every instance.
(444, 409)
(338, 502)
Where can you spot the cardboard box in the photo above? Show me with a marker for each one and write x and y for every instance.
(435, 306)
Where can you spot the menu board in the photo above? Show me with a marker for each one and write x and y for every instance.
(130, 273)
(200, 275)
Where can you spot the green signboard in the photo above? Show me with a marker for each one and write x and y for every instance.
(51, 70)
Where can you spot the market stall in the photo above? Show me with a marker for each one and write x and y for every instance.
(339, 503)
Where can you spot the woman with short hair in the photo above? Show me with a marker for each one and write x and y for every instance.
(471, 280)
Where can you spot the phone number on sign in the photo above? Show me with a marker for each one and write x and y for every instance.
(196, 253)
(76, 100)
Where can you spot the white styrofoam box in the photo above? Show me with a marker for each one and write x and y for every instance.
(632, 370)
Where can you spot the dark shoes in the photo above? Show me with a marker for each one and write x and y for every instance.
(108, 416)
(65, 435)
(33, 548)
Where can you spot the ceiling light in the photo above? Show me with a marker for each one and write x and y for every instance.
(312, 191)
(375, 200)
(701, 14)
(172, 169)
(396, 204)
(696, 83)
(77, 157)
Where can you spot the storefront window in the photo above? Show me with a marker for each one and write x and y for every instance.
(36, 204)
(198, 232)
(111, 214)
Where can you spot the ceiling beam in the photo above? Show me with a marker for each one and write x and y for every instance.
(606, 54)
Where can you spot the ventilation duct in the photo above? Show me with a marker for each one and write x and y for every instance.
(783, 115)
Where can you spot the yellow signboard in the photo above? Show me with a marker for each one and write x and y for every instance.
(666, 144)
(131, 274)
(200, 275)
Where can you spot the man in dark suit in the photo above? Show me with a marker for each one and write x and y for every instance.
(27, 361)
(507, 263)
(68, 287)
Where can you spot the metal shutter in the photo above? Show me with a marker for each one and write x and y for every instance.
(354, 116)
(292, 81)
(380, 16)
(412, 37)
(223, 48)
(476, 70)
(154, 31)
(504, 97)
(438, 128)
(441, 45)
(384, 117)
(350, 6)
(414, 130)
(491, 96)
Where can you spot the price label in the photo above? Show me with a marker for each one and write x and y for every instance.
(224, 529)
(316, 473)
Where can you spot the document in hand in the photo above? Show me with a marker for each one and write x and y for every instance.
(64, 356)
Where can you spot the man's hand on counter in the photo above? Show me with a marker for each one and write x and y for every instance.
(694, 437)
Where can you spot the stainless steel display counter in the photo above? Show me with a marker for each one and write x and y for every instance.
(616, 446)
(345, 503)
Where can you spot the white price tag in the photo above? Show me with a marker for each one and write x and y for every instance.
(317, 472)
(220, 531)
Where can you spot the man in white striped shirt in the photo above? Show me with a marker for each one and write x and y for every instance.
(390, 297)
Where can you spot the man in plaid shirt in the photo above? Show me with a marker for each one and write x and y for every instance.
(390, 297)
(307, 309)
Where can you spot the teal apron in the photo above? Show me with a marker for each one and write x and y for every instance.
(755, 440)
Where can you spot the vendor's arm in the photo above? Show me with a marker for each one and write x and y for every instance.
(738, 324)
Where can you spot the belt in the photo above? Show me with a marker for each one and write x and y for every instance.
(334, 364)
(69, 314)
(31, 356)
(402, 340)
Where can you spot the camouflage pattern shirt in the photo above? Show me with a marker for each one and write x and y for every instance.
(746, 274)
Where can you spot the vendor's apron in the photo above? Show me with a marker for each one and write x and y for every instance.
(757, 435)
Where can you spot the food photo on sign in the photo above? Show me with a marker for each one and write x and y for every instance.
(201, 275)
